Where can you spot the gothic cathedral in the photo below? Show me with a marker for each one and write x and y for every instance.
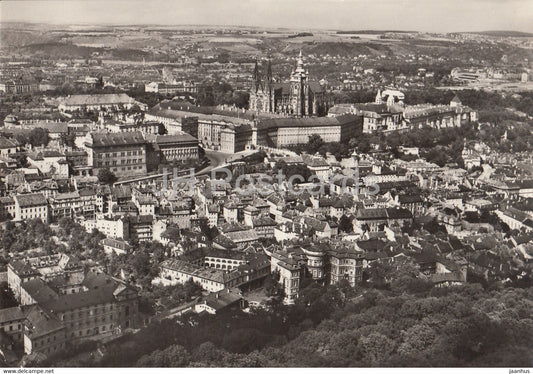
(299, 97)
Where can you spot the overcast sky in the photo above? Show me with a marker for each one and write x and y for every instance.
(422, 15)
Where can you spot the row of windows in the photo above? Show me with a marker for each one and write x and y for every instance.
(85, 314)
(116, 154)
(122, 162)
(30, 216)
(38, 343)
(223, 260)
(80, 312)
(11, 327)
(90, 322)
(124, 168)
(31, 210)
(52, 349)
(180, 151)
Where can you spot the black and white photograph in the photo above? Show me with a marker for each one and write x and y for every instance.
(266, 184)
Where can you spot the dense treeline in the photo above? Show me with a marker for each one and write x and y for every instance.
(464, 326)
(402, 321)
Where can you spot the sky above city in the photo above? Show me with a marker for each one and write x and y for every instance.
(419, 15)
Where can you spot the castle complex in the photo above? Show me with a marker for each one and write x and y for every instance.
(299, 97)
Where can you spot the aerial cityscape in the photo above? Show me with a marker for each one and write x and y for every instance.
(234, 189)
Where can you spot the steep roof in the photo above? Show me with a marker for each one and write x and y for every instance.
(11, 314)
(6, 143)
(100, 290)
(220, 300)
(31, 199)
(41, 322)
(117, 139)
(456, 100)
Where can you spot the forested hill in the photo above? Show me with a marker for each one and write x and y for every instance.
(406, 323)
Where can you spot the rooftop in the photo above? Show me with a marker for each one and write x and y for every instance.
(117, 139)
(101, 99)
(31, 199)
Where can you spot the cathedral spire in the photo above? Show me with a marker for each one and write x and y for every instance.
(300, 65)
(269, 72)
(256, 78)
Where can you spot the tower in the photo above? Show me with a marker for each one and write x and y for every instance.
(269, 88)
(390, 101)
(456, 102)
(379, 99)
(256, 78)
(299, 89)
(297, 98)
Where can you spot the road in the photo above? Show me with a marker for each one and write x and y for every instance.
(220, 159)
(217, 160)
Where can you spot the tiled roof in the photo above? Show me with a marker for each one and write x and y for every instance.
(242, 236)
(101, 289)
(42, 323)
(6, 143)
(263, 221)
(31, 199)
(11, 314)
(118, 139)
(181, 138)
(121, 244)
(220, 300)
(67, 196)
(446, 277)
(102, 99)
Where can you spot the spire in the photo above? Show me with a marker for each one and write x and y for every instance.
(256, 78)
(300, 65)
(269, 71)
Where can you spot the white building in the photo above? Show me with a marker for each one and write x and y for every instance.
(31, 206)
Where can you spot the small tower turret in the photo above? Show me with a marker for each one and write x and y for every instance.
(379, 99)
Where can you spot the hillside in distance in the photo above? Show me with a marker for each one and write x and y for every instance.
(505, 33)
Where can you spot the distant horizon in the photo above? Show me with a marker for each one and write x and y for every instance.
(259, 27)
(425, 16)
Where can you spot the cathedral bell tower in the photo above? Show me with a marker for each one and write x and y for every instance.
(299, 87)
(269, 88)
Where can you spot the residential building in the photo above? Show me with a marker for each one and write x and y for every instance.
(179, 147)
(31, 206)
(124, 154)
